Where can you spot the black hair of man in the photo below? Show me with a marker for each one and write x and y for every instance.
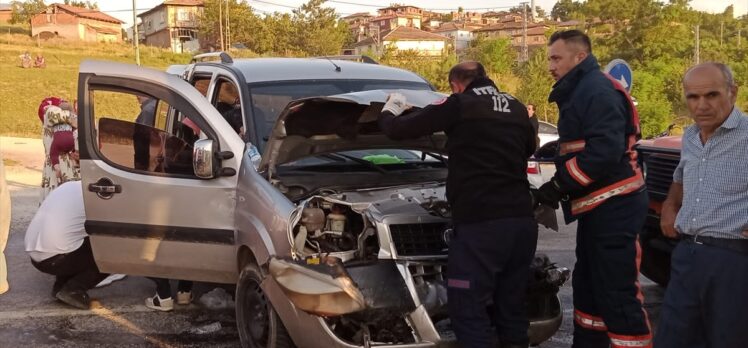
(467, 72)
(574, 37)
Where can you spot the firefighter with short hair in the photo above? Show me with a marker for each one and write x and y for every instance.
(600, 185)
(489, 141)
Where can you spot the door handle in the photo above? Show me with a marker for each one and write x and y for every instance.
(105, 188)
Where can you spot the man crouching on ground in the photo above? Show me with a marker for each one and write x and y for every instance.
(58, 245)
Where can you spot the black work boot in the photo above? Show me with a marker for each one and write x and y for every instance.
(75, 298)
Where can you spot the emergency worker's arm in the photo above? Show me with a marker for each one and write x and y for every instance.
(603, 121)
(433, 118)
(670, 209)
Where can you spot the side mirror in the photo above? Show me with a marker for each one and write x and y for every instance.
(202, 159)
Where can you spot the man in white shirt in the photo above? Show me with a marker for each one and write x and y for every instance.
(58, 244)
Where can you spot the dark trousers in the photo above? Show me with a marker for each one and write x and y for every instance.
(489, 263)
(706, 301)
(607, 299)
(75, 270)
(163, 287)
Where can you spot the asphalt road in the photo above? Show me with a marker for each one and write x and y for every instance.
(30, 316)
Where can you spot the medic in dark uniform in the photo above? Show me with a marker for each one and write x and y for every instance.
(489, 141)
(601, 186)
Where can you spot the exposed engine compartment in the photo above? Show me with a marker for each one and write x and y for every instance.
(333, 228)
(376, 257)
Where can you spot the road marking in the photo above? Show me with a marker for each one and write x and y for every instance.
(64, 312)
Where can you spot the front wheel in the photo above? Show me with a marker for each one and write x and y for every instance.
(257, 322)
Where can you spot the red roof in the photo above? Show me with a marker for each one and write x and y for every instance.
(86, 13)
(405, 34)
(199, 3)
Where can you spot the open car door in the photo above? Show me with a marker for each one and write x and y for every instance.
(152, 207)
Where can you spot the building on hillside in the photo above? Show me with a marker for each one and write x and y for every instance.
(513, 31)
(76, 23)
(469, 17)
(400, 10)
(389, 18)
(392, 21)
(404, 39)
(507, 30)
(172, 24)
(535, 37)
(5, 13)
(567, 25)
(358, 23)
(460, 33)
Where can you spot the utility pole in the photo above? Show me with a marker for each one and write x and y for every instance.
(220, 24)
(228, 27)
(533, 11)
(697, 53)
(721, 32)
(739, 37)
(135, 36)
(524, 54)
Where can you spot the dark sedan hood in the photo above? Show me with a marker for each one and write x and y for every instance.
(343, 122)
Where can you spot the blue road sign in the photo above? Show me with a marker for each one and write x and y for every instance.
(621, 71)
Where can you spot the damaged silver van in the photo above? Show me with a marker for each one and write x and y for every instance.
(272, 174)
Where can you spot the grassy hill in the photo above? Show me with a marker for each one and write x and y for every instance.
(21, 90)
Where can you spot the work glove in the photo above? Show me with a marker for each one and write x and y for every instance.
(550, 194)
(396, 104)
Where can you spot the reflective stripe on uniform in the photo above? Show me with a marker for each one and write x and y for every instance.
(588, 321)
(571, 147)
(596, 198)
(576, 173)
(622, 341)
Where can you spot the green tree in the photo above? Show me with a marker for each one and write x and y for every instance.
(655, 110)
(22, 11)
(536, 84)
(244, 24)
(83, 4)
(497, 55)
(565, 10)
(318, 31)
(433, 69)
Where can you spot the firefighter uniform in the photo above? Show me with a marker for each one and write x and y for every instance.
(597, 172)
(489, 141)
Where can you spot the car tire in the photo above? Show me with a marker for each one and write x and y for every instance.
(655, 263)
(257, 322)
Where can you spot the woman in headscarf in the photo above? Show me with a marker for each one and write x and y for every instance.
(59, 136)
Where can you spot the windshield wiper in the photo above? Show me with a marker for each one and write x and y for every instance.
(439, 157)
(357, 160)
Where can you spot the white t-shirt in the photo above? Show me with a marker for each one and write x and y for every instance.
(58, 226)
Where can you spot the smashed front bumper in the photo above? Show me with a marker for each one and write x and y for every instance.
(396, 303)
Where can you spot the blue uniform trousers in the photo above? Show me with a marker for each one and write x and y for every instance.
(489, 263)
(706, 301)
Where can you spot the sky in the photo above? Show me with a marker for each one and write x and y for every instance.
(123, 9)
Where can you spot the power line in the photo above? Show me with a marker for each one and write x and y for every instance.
(380, 6)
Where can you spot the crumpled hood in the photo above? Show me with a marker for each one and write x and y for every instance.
(342, 122)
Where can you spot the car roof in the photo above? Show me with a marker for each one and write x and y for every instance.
(286, 69)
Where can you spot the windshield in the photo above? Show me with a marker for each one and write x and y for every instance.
(269, 99)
